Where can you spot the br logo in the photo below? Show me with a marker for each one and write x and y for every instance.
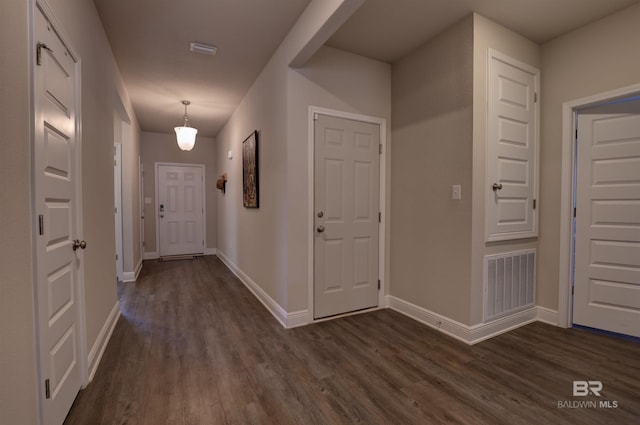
(585, 388)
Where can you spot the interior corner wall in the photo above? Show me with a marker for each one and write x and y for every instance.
(432, 150)
(162, 147)
(18, 392)
(332, 79)
(488, 34)
(596, 58)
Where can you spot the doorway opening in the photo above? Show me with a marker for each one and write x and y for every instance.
(600, 229)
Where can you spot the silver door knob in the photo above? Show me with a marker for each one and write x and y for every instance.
(320, 229)
(77, 243)
(496, 186)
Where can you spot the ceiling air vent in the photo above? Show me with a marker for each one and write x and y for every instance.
(205, 49)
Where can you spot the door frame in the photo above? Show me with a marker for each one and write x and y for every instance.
(157, 203)
(568, 188)
(82, 354)
(118, 213)
(310, 216)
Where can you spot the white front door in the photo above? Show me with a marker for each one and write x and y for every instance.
(180, 209)
(346, 204)
(57, 263)
(512, 131)
(607, 257)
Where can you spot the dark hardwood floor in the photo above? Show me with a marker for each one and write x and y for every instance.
(193, 346)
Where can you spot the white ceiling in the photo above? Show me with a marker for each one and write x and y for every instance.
(150, 40)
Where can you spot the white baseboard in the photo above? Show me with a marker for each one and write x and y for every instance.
(445, 325)
(547, 315)
(467, 334)
(211, 251)
(150, 255)
(287, 320)
(132, 276)
(95, 355)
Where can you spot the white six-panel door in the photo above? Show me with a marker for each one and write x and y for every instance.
(607, 257)
(346, 206)
(57, 263)
(180, 215)
(512, 132)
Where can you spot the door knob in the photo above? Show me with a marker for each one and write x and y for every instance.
(320, 229)
(496, 186)
(77, 243)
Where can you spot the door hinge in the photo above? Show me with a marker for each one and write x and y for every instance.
(116, 257)
(380, 149)
(379, 217)
(378, 284)
(535, 97)
(39, 48)
(41, 224)
(574, 212)
(315, 116)
(534, 204)
(47, 389)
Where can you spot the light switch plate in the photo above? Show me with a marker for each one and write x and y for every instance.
(456, 192)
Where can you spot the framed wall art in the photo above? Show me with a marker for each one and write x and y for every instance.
(250, 198)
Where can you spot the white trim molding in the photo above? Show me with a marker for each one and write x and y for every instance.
(546, 315)
(465, 333)
(153, 255)
(96, 352)
(132, 276)
(287, 320)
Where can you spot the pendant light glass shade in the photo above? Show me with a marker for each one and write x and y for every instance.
(186, 135)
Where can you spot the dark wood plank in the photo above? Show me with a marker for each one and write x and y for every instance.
(194, 346)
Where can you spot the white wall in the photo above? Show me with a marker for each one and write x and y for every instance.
(18, 396)
(100, 79)
(594, 59)
(432, 148)
(162, 147)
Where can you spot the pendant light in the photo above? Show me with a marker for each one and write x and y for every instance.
(186, 135)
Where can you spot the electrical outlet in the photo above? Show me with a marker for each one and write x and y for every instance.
(456, 192)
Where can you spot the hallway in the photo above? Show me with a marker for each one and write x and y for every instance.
(194, 346)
